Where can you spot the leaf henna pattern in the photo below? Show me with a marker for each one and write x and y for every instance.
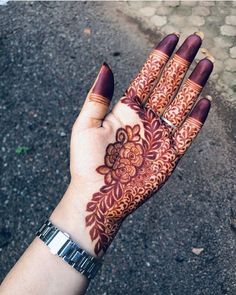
(145, 80)
(134, 167)
(170, 81)
(183, 103)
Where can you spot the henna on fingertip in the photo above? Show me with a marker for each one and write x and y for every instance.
(103, 88)
(180, 107)
(168, 44)
(201, 110)
(152, 68)
(190, 47)
(202, 72)
(191, 127)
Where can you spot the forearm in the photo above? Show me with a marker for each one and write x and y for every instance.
(40, 272)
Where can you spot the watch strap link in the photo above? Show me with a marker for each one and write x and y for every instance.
(61, 245)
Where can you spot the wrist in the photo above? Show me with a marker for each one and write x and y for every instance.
(69, 217)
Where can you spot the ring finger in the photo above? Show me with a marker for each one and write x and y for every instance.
(179, 108)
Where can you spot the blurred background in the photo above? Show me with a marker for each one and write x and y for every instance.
(183, 240)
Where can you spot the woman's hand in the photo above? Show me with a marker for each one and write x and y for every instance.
(119, 159)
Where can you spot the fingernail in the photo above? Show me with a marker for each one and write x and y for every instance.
(190, 47)
(200, 34)
(177, 34)
(202, 72)
(209, 97)
(168, 44)
(208, 55)
(104, 85)
(201, 110)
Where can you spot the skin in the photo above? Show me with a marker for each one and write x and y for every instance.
(118, 160)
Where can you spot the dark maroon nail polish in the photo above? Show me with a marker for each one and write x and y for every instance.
(202, 72)
(104, 85)
(201, 110)
(190, 47)
(168, 44)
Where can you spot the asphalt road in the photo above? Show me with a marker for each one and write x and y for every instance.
(48, 60)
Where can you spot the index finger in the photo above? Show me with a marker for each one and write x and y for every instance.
(152, 68)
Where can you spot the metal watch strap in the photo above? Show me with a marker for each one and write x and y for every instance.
(60, 244)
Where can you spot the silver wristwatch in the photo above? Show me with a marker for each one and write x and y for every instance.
(60, 244)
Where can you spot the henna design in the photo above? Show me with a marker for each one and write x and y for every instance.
(185, 135)
(168, 84)
(182, 104)
(145, 80)
(134, 167)
(99, 98)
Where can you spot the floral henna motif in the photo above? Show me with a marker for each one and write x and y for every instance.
(134, 167)
(146, 78)
(168, 84)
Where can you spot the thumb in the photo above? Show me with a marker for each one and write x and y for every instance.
(98, 99)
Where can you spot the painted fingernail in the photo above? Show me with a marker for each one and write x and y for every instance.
(168, 44)
(190, 47)
(202, 72)
(104, 85)
(200, 34)
(201, 110)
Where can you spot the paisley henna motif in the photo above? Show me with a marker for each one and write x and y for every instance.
(143, 83)
(182, 104)
(168, 84)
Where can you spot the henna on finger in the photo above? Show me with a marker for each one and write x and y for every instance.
(191, 127)
(103, 88)
(173, 74)
(177, 111)
(143, 83)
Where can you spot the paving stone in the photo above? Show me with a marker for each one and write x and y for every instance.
(223, 42)
(168, 29)
(207, 3)
(147, 11)
(202, 11)
(232, 52)
(159, 21)
(230, 64)
(233, 11)
(172, 3)
(218, 66)
(177, 20)
(188, 3)
(183, 10)
(216, 18)
(196, 20)
(219, 54)
(228, 30)
(231, 20)
(186, 31)
(164, 10)
(220, 9)
(227, 79)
